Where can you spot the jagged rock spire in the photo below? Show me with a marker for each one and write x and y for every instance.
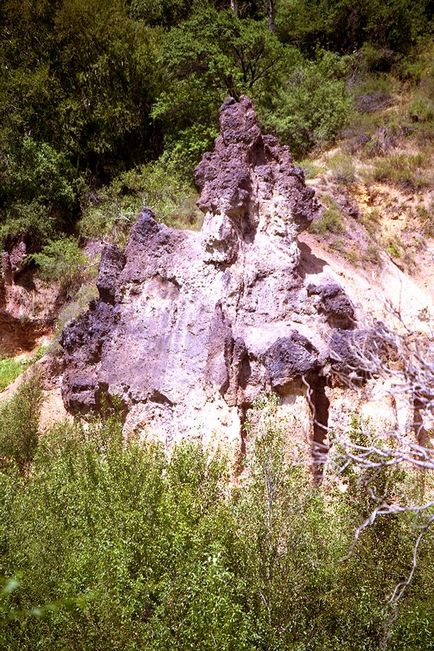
(248, 182)
(190, 327)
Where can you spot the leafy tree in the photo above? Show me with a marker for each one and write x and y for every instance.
(78, 80)
(89, 90)
(344, 26)
(94, 78)
(39, 192)
(210, 56)
(158, 185)
(313, 106)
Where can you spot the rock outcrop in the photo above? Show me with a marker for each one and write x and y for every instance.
(28, 306)
(190, 327)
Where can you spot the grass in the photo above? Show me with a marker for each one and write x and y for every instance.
(349, 254)
(371, 220)
(331, 220)
(11, 368)
(402, 169)
(393, 249)
(372, 254)
(311, 170)
(422, 109)
(111, 211)
(342, 168)
(425, 216)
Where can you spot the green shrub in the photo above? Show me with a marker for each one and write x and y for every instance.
(393, 249)
(38, 171)
(343, 26)
(422, 109)
(38, 192)
(404, 169)
(135, 550)
(19, 424)
(148, 538)
(64, 262)
(342, 247)
(330, 221)
(157, 185)
(425, 216)
(372, 254)
(371, 220)
(30, 220)
(10, 369)
(342, 168)
(311, 170)
(313, 106)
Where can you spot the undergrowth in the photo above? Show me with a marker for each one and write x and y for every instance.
(109, 543)
(11, 368)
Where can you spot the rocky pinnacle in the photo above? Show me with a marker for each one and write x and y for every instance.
(190, 327)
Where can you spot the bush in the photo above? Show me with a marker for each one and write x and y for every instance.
(330, 221)
(393, 249)
(38, 193)
(64, 262)
(19, 424)
(373, 254)
(10, 369)
(403, 169)
(342, 168)
(135, 550)
(157, 185)
(150, 546)
(422, 109)
(344, 26)
(311, 170)
(29, 220)
(314, 105)
(425, 217)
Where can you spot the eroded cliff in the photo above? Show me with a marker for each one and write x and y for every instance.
(190, 327)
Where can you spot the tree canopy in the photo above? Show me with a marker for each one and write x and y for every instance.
(90, 90)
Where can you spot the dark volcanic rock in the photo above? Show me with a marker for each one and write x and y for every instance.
(335, 304)
(289, 358)
(111, 265)
(247, 168)
(358, 354)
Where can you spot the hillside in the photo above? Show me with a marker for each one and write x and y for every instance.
(216, 325)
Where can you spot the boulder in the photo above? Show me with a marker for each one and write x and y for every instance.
(335, 304)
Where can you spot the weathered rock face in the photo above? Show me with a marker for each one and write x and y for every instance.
(27, 305)
(191, 327)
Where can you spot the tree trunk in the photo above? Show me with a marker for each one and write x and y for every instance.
(271, 10)
(234, 6)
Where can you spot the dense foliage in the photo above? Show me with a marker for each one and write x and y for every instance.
(107, 543)
(91, 90)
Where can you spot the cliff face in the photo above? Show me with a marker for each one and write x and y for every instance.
(191, 327)
(27, 305)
